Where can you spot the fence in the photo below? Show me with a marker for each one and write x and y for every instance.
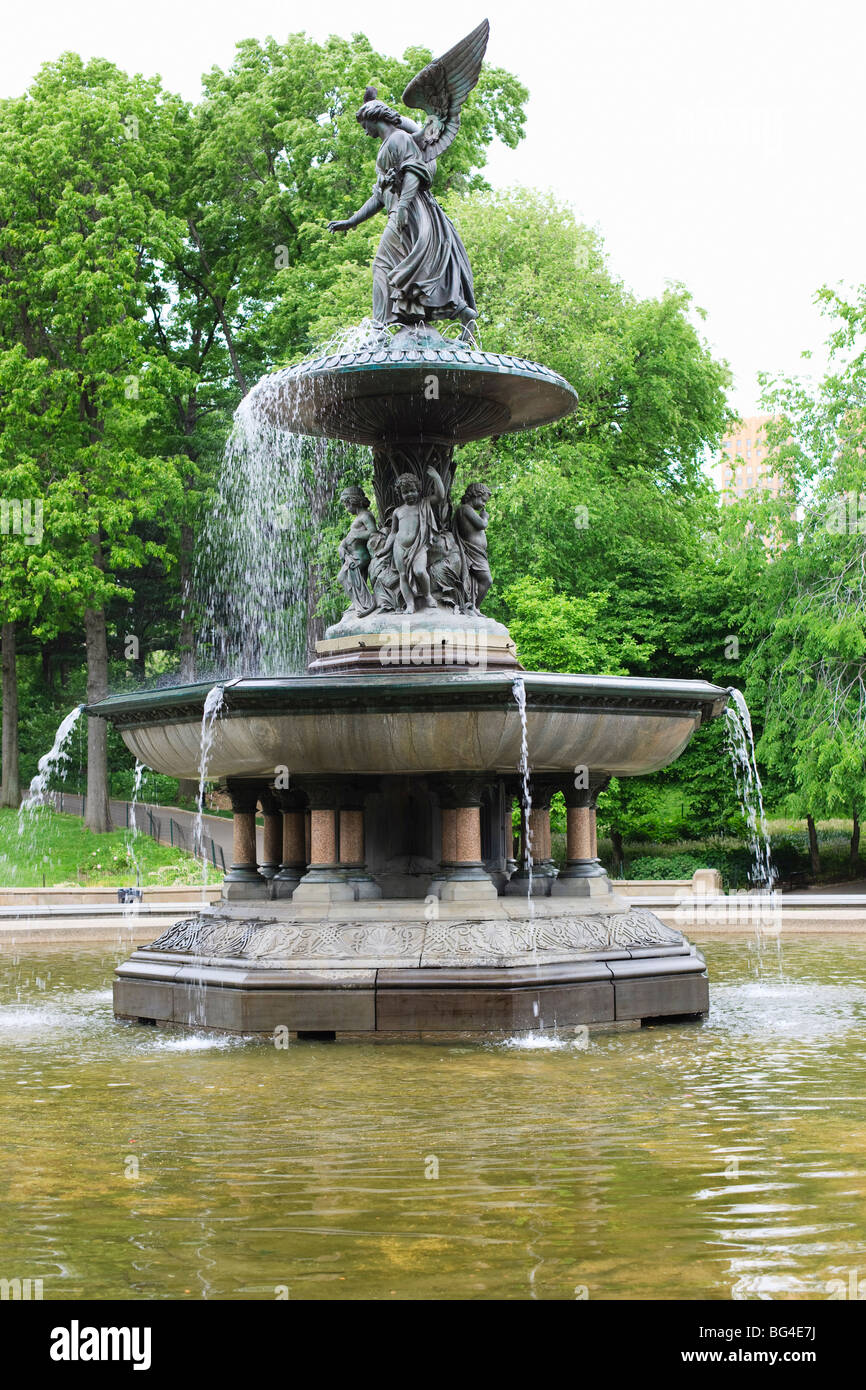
(178, 834)
(147, 823)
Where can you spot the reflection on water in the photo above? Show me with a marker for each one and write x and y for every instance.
(719, 1159)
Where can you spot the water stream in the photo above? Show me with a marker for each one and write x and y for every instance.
(138, 778)
(213, 707)
(526, 784)
(741, 745)
(50, 764)
(257, 554)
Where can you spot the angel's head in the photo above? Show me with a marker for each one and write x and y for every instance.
(409, 487)
(477, 494)
(375, 113)
(354, 499)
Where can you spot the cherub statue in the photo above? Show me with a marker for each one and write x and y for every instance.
(470, 527)
(421, 271)
(382, 577)
(446, 569)
(354, 552)
(413, 525)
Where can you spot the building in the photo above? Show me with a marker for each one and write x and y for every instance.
(742, 465)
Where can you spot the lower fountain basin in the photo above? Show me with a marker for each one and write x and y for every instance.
(416, 722)
(372, 972)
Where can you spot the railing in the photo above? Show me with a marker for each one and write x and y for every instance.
(179, 835)
(149, 824)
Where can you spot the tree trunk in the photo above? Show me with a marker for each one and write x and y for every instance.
(618, 856)
(97, 814)
(855, 840)
(187, 787)
(47, 658)
(10, 794)
(814, 855)
(187, 626)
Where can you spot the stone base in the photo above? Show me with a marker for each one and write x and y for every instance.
(595, 886)
(478, 966)
(518, 885)
(455, 890)
(241, 890)
(285, 887)
(416, 650)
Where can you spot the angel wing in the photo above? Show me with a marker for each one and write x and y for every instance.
(441, 88)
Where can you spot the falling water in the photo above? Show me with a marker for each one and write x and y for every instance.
(213, 706)
(133, 823)
(49, 764)
(250, 576)
(136, 790)
(741, 744)
(520, 698)
(259, 542)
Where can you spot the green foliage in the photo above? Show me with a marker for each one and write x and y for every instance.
(61, 850)
(655, 867)
(808, 616)
(555, 632)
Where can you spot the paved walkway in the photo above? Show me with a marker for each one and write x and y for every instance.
(171, 825)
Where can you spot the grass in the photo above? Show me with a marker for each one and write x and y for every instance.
(58, 851)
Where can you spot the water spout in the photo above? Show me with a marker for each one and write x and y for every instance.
(133, 823)
(741, 745)
(213, 707)
(50, 763)
(526, 794)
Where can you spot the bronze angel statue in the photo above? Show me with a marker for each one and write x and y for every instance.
(421, 271)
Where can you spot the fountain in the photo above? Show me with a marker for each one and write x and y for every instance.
(387, 899)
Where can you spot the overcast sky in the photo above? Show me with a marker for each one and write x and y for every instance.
(721, 145)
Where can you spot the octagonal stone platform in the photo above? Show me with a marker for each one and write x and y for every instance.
(383, 968)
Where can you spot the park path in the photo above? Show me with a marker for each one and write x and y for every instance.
(172, 826)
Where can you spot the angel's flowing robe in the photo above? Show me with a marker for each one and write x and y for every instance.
(422, 272)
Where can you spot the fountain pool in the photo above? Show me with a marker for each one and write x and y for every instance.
(743, 1137)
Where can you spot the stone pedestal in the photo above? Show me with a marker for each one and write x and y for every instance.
(336, 872)
(243, 880)
(272, 838)
(293, 864)
(535, 846)
(351, 840)
(583, 875)
(325, 880)
(462, 875)
(358, 970)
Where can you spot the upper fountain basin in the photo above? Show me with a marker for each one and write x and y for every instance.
(416, 722)
(412, 385)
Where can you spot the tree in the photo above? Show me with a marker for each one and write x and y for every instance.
(555, 632)
(612, 498)
(809, 616)
(83, 229)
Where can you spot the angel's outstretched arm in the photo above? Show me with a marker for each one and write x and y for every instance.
(373, 205)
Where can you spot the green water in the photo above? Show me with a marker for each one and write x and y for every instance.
(687, 1161)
